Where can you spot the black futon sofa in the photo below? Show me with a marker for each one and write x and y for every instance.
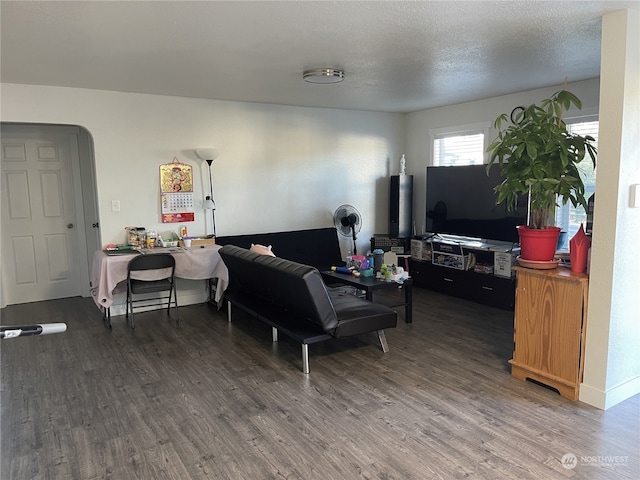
(292, 298)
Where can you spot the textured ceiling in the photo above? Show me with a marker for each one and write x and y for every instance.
(398, 56)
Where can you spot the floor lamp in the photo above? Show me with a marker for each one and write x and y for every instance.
(209, 155)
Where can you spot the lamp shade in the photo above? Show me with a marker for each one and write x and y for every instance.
(209, 204)
(207, 153)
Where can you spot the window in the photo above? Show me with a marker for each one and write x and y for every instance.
(462, 145)
(569, 218)
(459, 150)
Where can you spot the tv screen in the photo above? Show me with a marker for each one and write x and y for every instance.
(461, 201)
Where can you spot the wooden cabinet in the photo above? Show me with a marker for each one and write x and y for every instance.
(550, 327)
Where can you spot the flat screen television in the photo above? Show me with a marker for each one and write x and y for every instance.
(461, 201)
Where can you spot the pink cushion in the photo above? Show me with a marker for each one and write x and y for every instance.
(261, 249)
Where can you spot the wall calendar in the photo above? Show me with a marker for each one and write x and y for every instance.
(176, 192)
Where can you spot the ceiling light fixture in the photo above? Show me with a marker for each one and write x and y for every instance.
(323, 75)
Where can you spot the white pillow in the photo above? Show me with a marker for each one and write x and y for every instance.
(261, 249)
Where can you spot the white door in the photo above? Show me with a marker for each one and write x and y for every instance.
(39, 229)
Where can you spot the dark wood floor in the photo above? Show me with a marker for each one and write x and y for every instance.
(206, 399)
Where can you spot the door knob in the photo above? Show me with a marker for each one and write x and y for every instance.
(69, 225)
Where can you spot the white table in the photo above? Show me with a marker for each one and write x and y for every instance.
(109, 272)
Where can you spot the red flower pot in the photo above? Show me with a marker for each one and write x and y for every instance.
(538, 245)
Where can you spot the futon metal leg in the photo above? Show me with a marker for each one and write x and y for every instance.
(274, 334)
(383, 341)
(229, 311)
(305, 358)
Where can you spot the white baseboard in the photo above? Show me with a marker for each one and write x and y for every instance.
(607, 399)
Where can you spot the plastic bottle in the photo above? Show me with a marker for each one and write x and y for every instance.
(349, 261)
(152, 237)
(378, 258)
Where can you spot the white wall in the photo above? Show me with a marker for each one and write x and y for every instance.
(612, 360)
(279, 167)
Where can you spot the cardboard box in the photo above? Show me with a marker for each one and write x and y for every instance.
(417, 248)
(199, 241)
(502, 263)
(450, 255)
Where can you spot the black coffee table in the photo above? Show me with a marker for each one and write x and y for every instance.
(371, 284)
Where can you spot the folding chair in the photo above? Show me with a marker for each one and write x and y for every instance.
(159, 268)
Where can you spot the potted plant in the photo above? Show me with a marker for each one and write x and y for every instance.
(539, 157)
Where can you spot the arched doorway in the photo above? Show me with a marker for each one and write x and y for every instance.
(50, 226)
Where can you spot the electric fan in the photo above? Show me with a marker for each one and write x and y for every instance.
(348, 221)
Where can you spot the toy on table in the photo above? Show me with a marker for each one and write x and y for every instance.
(348, 270)
(392, 273)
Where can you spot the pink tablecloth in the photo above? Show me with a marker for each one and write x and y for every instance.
(109, 273)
